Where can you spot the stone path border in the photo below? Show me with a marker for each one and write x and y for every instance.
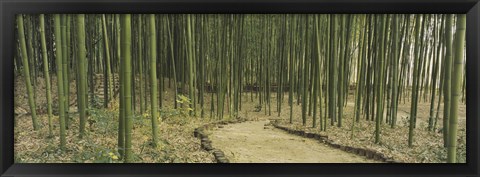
(369, 153)
(206, 143)
(219, 155)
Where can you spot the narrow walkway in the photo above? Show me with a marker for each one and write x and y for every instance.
(249, 142)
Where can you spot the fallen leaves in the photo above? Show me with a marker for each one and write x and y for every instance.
(427, 147)
(176, 143)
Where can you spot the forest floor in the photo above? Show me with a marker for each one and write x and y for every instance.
(177, 143)
(427, 145)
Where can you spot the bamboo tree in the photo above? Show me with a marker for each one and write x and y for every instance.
(46, 74)
(121, 117)
(304, 83)
(140, 59)
(31, 53)
(107, 54)
(341, 71)
(172, 56)
(68, 64)
(332, 69)
(291, 72)
(126, 57)
(190, 63)
(202, 66)
(61, 95)
(82, 88)
(26, 72)
(327, 64)
(65, 57)
(91, 48)
(441, 52)
(360, 72)
(318, 86)
(434, 79)
(369, 95)
(385, 57)
(415, 81)
(456, 87)
(395, 59)
(153, 77)
(447, 79)
(381, 59)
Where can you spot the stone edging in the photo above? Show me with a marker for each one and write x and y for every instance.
(368, 153)
(206, 143)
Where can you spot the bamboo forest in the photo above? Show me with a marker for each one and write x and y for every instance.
(240, 88)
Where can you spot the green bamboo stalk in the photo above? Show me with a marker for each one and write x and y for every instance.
(304, 77)
(447, 79)
(81, 57)
(140, 59)
(416, 74)
(395, 60)
(61, 95)
(107, 55)
(381, 59)
(190, 64)
(360, 74)
(434, 79)
(26, 72)
(31, 54)
(341, 68)
(172, 57)
(153, 77)
(121, 120)
(68, 68)
(332, 69)
(456, 87)
(126, 41)
(46, 74)
(291, 71)
(63, 29)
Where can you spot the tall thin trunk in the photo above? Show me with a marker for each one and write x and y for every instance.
(153, 77)
(332, 69)
(191, 64)
(140, 59)
(81, 57)
(121, 119)
(46, 74)
(61, 95)
(107, 54)
(26, 72)
(65, 59)
(447, 79)
(381, 59)
(456, 87)
(416, 74)
(126, 41)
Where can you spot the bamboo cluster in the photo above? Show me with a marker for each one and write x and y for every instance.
(313, 59)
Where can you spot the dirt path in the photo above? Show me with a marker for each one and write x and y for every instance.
(249, 142)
